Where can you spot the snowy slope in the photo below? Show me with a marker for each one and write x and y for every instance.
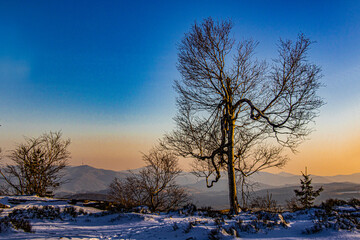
(175, 225)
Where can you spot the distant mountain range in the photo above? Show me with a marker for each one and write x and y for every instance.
(89, 182)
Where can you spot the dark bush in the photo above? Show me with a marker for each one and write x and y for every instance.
(46, 212)
(330, 203)
(7, 223)
(71, 211)
(214, 234)
(175, 226)
(354, 202)
(4, 225)
(21, 224)
(330, 218)
(188, 209)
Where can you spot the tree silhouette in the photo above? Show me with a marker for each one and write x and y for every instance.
(36, 165)
(306, 195)
(153, 186)
(225, 94)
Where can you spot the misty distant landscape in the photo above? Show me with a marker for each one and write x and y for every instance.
(86, 182)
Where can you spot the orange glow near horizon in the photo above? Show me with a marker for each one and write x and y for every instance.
(322, 156)
(326, 157)
(113, 153)
(333, 149)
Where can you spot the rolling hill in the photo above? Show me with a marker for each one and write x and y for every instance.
(89, 182)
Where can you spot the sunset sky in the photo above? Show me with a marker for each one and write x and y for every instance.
(102, 73)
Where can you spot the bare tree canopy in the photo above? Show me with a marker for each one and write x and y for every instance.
(154, 186)
(36, 165)
(228, 101)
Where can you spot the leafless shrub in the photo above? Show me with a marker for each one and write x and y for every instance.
(265, 203)
(154, 186)
(36, 165)
(293, 204)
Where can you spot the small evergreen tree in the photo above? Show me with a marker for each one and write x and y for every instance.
(307, 195)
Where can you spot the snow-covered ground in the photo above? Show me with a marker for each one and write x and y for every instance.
(96, 224)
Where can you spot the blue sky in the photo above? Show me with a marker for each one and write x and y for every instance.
(105, 69)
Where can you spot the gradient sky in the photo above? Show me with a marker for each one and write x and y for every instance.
(102, 72)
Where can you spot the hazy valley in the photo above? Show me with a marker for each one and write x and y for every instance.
(89, 182)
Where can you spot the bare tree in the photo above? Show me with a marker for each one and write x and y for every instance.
(224, 93)
(36, 165)
(154, 186)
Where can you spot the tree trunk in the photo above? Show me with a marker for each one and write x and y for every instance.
(234, 207)
(243, 195)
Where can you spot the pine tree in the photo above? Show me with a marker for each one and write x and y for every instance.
(307, 195)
